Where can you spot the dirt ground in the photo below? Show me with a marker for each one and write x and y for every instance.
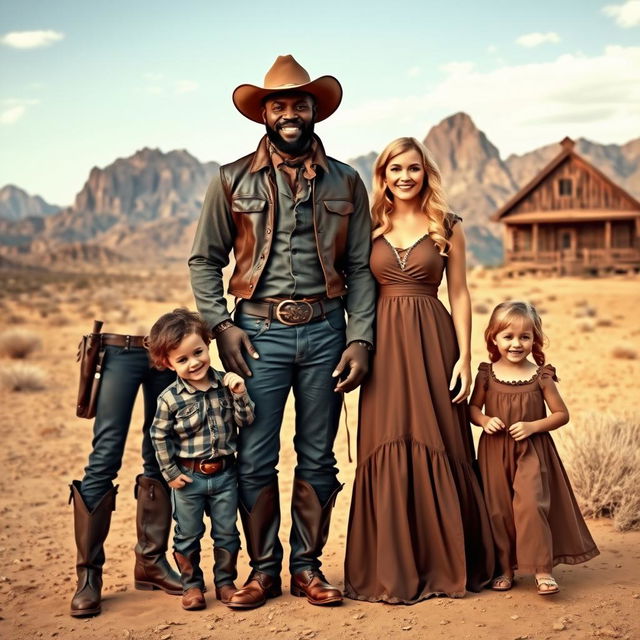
(46, 447)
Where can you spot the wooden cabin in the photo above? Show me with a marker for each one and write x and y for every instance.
(571, 219)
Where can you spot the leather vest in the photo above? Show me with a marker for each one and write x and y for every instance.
(253, 200)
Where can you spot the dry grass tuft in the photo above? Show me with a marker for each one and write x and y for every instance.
(604, 322)
(624, 352)
(19, 343)
(602, 455)
(481, 307)
(20, 376)
(586, 326)
(585, 311)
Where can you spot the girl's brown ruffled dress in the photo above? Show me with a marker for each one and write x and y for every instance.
(535, 520)
(418, 526)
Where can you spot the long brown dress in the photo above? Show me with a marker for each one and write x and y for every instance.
(535, 519)
(418, 526)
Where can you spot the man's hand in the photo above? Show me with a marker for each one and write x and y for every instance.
(356, 358)
(230, 344)
(493, 425)
(234, 382)
(180, 481)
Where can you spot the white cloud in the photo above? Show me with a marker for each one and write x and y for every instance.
(186, 86)
(31, 39)
(492, 48)
(519, 107)
(626, 15)
(12, 114)
(534, 39)
(414, 72)
(458, 68)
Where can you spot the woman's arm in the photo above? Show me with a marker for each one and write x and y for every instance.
(460, 303)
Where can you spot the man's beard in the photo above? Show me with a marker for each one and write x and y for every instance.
(300, 146)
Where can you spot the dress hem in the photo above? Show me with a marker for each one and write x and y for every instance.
(566, 559)
(387, 599)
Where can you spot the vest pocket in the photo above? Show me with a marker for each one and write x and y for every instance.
(341, 207)
(248, 204)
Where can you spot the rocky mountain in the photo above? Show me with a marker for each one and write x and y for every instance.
(17, 204)
(145, 207)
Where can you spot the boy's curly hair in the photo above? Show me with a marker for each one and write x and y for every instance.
(168, 332)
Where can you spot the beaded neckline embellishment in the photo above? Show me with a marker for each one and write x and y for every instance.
(402, 260)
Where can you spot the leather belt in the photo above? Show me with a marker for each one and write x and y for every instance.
(290, 312)
(120, 340)
(208, 466)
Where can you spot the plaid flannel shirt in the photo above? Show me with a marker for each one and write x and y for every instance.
(190, 423)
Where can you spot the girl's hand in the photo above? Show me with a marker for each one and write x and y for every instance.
(180, 481)
(234, 382)
(521, 430)
(494, 425)
(462, 370)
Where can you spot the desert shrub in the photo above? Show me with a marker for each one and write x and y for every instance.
(585, 326)
(604, 322)
(59, 320)
(19, 343)
(481, 307)
(552, 298)
(20, 376)
(585, 311)
(624, 352)
(602, 456)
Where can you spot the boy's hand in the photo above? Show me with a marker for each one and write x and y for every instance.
(521, 430)
(234, 382)
(180, 481)
(494, 425)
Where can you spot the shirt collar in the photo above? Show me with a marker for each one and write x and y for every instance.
(262, 157)
(185, 385)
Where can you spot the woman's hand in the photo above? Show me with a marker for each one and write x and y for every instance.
(462, 370)
(180, 481)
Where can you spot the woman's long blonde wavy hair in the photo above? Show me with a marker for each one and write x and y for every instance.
(432, 204)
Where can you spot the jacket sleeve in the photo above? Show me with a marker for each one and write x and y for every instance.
(361, 291)
(210, 253)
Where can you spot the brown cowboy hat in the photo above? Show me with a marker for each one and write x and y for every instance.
(287, 75)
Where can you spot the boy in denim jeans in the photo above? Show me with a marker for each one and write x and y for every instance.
(194, 436)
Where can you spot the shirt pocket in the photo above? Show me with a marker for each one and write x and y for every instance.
(189, 420)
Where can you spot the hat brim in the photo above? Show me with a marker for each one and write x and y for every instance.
(327, 91)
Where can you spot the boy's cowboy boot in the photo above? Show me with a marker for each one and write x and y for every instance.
(309, 532)
(261, 533)
(225, 563)
(153, 522)
(91, 529)
(191, 576)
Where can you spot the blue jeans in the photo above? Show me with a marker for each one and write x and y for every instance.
(301, 358)
(125, 370)
(217, 495)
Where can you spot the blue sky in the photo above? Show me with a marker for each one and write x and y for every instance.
(102, 80)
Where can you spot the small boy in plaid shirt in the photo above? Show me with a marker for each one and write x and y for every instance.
(194, 434)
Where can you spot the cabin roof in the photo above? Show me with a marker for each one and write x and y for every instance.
(568, 151)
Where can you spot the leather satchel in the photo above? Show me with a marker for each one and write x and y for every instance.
(91, 358)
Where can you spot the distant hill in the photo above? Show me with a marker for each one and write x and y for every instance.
(145, 207)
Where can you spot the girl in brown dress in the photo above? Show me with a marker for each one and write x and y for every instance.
(535, 520)
(418, 526)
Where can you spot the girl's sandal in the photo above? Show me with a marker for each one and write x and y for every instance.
(550, 583)
(502, 583)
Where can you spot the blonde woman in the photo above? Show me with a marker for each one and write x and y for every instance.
(418, 526)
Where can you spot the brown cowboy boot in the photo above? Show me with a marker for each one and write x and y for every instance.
(153, 522)
(310, 529)
(225, 561)
(190, 572)
(261, 533)
(91, 529)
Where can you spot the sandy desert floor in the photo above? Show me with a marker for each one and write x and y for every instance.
(46, 447)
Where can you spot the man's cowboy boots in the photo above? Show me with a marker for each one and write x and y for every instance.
(226, 562)
(190, 572)
(91, 529)
(261, 533)
(153, 522)
(310, 530)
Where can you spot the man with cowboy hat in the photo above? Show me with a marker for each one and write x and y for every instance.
(298, 223)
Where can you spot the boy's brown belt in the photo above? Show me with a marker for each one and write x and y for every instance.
(290, 312)
(207, 465)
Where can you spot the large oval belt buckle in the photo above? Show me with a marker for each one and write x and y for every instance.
(293, 312)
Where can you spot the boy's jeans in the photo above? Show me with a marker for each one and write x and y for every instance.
(216, 494)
